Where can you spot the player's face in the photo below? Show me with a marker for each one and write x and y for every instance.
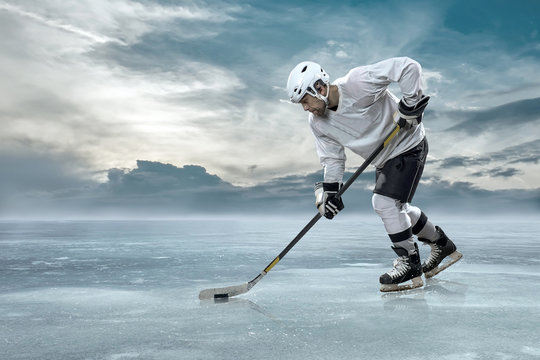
(313, 105)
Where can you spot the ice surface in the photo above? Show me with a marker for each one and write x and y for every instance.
(129, 290)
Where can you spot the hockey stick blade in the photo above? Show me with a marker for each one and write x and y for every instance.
(224, 292)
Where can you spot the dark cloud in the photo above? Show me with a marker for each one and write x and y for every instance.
(454, 161)
(155, 177)
(525, 153)
(528, 152)
(461, 198)
(155, 189)
(463, 161)
(498, 172)
(504, 116)
(529, 159)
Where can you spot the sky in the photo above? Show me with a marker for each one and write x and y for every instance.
(113, 104)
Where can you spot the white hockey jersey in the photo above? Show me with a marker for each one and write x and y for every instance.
(364, 115)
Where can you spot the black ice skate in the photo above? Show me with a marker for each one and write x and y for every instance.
(406, 267)
(440, 249)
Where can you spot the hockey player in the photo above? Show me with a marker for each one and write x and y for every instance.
(356, 111)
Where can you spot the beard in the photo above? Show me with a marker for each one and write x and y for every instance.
(320, 110)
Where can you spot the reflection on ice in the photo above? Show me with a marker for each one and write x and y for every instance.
(449, 293)
(239, 302)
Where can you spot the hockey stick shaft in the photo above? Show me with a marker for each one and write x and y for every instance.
(240, 289)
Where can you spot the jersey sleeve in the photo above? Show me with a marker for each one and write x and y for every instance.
(331, 156)
(403, 70)
(368, 83)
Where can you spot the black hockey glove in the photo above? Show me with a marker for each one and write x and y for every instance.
(325, 200)
(412, 114)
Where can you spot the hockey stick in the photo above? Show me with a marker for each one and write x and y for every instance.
(229, 291)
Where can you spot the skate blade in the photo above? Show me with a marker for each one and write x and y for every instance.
(416, 283)
(453, 258)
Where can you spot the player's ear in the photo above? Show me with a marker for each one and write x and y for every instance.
(320, 88)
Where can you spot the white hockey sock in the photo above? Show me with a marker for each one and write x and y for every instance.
(407, 245)
(429, 232)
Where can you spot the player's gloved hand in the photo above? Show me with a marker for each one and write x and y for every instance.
(325, 200)
(412, 114)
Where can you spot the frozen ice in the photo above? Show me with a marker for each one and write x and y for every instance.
(129, 290)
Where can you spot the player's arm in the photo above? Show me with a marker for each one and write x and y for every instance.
(332, 158)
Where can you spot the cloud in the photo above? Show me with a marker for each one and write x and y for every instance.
(505, 116)
(62, 94)
(527, 152)
(151, 177)
(157, 190)
(498, 172)
(462, 161)
(58, 25)
(514, 166)
(459, 198)
(118, 21)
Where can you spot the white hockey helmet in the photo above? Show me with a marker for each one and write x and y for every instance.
(302, 80)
